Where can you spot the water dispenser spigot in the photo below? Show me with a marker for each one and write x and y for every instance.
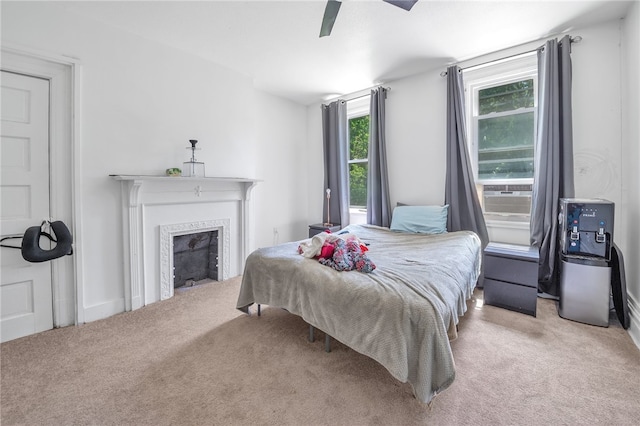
(601, 237)
(575, 234)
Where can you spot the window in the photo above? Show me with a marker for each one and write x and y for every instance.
(358, 160)
(358, 137)
(505, 128)
(502, 113)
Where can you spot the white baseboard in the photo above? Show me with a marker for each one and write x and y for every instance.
(103, 310)
(634, 316)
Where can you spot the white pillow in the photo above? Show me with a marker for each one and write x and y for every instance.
(420, 219)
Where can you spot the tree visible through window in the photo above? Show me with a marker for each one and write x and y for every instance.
(358, 160)
(506, 131)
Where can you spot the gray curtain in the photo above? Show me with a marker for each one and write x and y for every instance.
(378, 203)
(554, 156)
(336, 156)
(465, 212)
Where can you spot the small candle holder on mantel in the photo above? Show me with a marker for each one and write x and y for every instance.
(193, 168)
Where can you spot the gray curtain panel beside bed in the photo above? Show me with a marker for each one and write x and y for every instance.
(460, 194)
(336, 173)
(378, 201)
(554, 156)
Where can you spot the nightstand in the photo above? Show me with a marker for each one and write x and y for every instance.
(317, 228)
(511, 277)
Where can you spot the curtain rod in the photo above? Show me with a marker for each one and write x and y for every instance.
(576, 39)
(353, 96)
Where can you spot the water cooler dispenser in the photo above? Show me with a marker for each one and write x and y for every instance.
(586, 238)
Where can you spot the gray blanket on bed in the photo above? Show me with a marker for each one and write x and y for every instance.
(401, 315)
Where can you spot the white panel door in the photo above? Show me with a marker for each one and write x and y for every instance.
(25, 288)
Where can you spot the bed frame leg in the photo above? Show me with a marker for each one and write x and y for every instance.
(327, 339)
(259, 313)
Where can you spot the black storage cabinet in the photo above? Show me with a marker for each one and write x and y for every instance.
(317, 228)
(511, 277)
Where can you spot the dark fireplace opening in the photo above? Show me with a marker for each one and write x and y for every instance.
(195, 258)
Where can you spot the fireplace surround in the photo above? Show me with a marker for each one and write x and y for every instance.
(155, 208)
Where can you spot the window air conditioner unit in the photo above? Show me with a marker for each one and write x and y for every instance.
(507, 200)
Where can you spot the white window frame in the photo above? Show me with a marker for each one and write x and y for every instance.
(356, 108)
(488, 75)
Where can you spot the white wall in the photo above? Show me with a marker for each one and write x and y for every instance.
(416, 135)
(314, 165)
(631, 160)
(280, 154)
(140, 104)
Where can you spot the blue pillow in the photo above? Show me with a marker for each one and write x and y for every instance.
(420, 219)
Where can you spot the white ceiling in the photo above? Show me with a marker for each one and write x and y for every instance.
(277, 43)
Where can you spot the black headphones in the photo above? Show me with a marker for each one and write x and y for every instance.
(31, 250)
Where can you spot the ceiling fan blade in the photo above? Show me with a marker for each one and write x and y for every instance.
(330, 14)
(403, 4)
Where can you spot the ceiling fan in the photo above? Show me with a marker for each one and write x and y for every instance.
(333, 6)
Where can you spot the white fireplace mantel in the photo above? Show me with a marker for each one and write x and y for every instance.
(150, 202)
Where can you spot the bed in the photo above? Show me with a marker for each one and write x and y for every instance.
(402, 314)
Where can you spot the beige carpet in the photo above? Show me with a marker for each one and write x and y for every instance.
(195, 360)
